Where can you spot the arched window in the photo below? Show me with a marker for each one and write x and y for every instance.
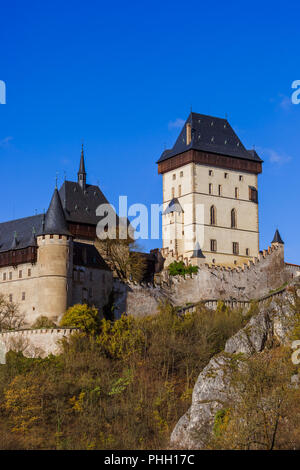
(213, 216)
(233, 218)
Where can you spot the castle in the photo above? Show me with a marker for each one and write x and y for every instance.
(210, 195)
(48, 262)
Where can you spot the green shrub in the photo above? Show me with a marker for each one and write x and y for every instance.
(179, 268)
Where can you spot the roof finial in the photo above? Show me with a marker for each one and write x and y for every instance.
(81, 173)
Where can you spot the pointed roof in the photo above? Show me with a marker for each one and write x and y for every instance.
(32, 241)
(82, 165)
(55, 222)
(174, 206)
(197, 253)
(210, 134)
(14, 244)
(277, 238)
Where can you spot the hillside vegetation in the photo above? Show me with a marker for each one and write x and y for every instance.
(121, 386)
(125, 384)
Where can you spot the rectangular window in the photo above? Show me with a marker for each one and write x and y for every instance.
(174, 177)
(29, 272)
(235, 248)
(23, 295)
(181, 174)
(173, 192)
(4, 277)
(253, 194)
(213, 245)
(91, 275)
(10, 276)
(241, 178)
(220, 190)
(226, 175)
(236, 193)
(20, 274)
(210, 172)
(179, 190)
(247, 252)
(210, 188)
(10, 297)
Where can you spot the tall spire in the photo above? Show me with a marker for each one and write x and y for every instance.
(81, 173)
(55, 222)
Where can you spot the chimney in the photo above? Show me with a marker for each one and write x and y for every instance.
(188, 133)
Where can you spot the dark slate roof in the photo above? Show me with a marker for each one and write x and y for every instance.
(80, 204)
(23, 229)
(55, 222)
(197, 253)
(277, 238)
(88, 256)
(173, 206)
(210, 134)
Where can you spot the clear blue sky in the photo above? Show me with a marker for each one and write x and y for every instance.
(121, 74)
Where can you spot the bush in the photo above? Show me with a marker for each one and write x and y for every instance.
(83, 317)
(43, 322)
(179, 268)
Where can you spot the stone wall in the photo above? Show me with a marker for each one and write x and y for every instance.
(137, 300)
(33, 343)
(254, 280)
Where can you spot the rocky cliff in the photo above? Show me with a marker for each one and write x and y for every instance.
(272, 325)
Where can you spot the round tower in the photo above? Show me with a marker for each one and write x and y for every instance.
(55, 258)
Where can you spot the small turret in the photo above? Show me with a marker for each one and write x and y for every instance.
(277, 239)
(82, 173)
(197, 253)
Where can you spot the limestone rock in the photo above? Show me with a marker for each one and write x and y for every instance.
(209, 395)
(212, 388)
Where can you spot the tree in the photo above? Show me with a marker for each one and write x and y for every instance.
(83, 317)
(10, 317)
(122, 257)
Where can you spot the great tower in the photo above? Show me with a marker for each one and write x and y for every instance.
(210, 195)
